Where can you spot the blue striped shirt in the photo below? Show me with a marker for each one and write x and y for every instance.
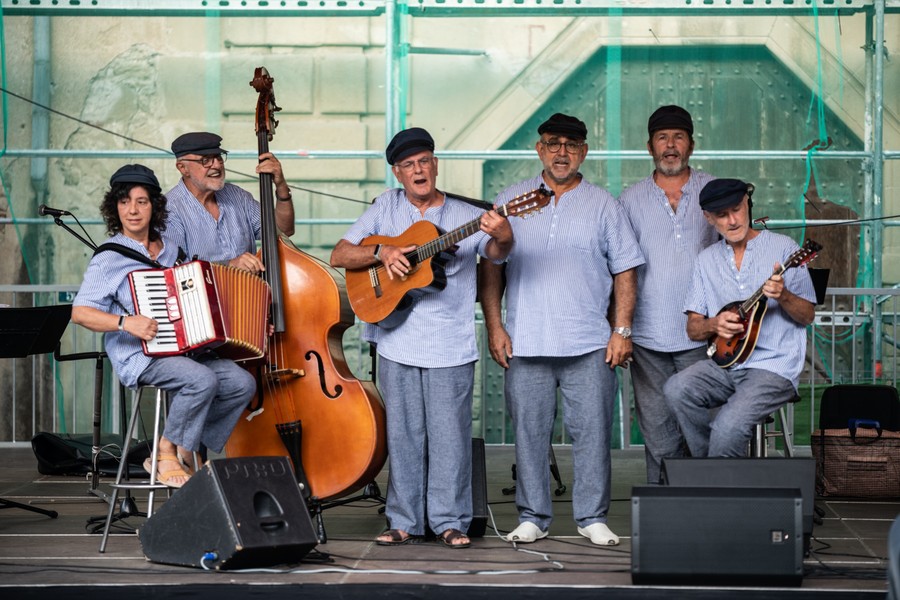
(192, 227)
(670, 242)
(440, 328)
(559, 273)
(105, 283)
(781, 345)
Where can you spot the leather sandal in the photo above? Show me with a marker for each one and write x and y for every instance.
(452, 535)
(168, 476)
(398, 538)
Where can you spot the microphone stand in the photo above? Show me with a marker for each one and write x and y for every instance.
(98, 357)
(58, 220)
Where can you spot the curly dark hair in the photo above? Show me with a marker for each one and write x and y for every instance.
(109, 208)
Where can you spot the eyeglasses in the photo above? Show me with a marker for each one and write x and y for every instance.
(207, 161)
(571, 147)
(410, 164)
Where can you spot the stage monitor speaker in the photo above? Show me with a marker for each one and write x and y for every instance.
(234, 513)
(716, 536)
(749, 472)
(479, 490)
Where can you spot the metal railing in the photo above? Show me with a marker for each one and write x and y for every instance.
(854, 339)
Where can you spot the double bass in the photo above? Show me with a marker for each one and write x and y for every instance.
(308, 405)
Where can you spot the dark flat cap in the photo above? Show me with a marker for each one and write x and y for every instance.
(135, 174)
(197, 142)
(723, 193)
(561, 124)
(408, 142)
(670, 117)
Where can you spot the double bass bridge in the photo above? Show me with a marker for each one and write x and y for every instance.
(276, 375)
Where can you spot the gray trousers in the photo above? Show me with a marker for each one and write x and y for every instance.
(588, 388)
(649, 373)
(207, 395)
(429, 436)
(745, 397)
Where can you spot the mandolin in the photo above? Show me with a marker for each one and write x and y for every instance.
(737, 349)
(376, 298)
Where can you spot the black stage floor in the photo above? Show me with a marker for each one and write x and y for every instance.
(57, 558)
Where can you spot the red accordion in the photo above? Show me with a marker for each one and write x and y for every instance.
(202, 305)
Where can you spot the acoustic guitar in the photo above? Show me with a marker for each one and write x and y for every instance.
(376, 298)
(737, 349)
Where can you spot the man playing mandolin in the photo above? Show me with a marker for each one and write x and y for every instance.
(769, 334)
(426, 364)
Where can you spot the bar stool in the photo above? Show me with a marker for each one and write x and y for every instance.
(759, 441)
(153, 485)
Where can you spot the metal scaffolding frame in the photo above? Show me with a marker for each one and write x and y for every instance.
(396, 16)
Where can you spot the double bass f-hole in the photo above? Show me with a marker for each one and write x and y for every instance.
(338, 389)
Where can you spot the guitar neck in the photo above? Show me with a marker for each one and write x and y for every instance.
(451, 238)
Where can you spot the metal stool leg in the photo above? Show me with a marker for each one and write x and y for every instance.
(787, 432)
(758, 443)
(154, 456)
(132, 425)
(123, 464)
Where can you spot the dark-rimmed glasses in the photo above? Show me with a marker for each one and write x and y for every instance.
(208, 160)
(555, 145)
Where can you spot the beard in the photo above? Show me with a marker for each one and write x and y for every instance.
(671, 171)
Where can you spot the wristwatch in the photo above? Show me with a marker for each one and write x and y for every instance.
(625, 332)
(377, 252)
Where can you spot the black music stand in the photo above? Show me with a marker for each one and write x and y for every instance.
(28, 331)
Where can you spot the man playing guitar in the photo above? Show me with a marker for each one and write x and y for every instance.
(756, 382)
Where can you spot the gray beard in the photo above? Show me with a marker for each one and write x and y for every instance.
(672, 172)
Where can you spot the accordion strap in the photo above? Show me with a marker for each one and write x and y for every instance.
(134, 254)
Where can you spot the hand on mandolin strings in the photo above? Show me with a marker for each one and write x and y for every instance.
(774, 285)
(727, 324)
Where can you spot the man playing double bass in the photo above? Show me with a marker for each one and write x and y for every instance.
(426, 364)
(218, 221)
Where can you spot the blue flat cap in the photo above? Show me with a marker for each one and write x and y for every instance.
(197, 142)
(135, 174)
(561, 124)
(670, 117)
(408, 142)
(723, 193)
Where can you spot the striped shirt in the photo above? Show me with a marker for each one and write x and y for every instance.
(440, 328)
(105, 287)
(560, 271)
(670, 242)
(195, 230)
(781, 345)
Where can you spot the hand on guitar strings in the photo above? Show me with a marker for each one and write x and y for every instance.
(394, 260)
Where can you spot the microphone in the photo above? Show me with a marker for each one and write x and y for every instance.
(46, 211)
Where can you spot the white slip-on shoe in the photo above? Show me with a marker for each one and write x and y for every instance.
(525, 533)
(599, 534)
